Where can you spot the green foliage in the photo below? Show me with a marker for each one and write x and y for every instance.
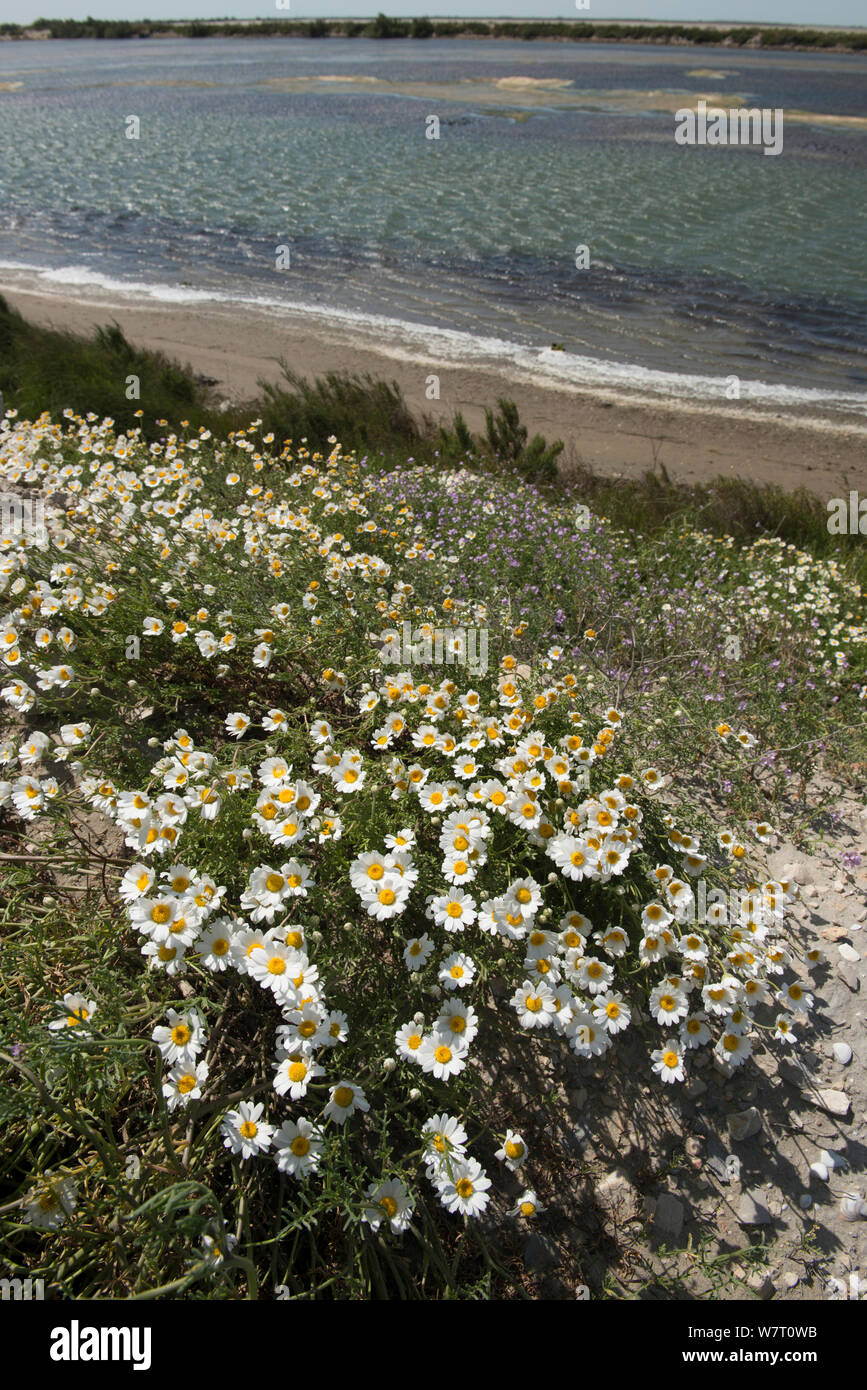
(385, 28)
(507, 438)
(363, 412)
(456, 442)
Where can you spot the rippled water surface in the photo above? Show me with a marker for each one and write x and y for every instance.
(704, 261)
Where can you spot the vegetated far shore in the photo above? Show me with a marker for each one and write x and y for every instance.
(384, 27)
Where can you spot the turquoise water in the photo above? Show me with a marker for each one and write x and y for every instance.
(703, 262)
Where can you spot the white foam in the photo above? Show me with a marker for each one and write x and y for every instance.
(407, 341)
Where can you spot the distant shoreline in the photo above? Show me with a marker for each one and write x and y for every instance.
(718, 33)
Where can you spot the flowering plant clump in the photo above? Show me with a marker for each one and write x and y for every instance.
(337, 883)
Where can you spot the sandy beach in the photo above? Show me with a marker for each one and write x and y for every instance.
(239, 346)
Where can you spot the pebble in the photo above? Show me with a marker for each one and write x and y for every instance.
(762, 1285)
(669, 1214)
(852, 1205)
(718, 1168)
(820, 1170)
(847, 974)
(743, 1124)
(805, 1201)
(843, 1052)
(848, 952)
(832, 1159)
(614, 1190)
(752, 1210)
(835, 1102)
(791, 1279)
(733, 1168)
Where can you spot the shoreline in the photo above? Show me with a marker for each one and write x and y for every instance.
(613, 433)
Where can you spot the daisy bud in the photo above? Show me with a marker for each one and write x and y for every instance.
(492, 704)
(347, 926)
(552, 878)
(94, 690)
(389, 1064)
(314, 920)
(246, 834)
(415, 1093)
(48, 901)
(435, 820)
(132, 684)
(559, 803)
(133, 569)
(153, 743)
(501, 963)
(316, 937)
(418, 1018)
